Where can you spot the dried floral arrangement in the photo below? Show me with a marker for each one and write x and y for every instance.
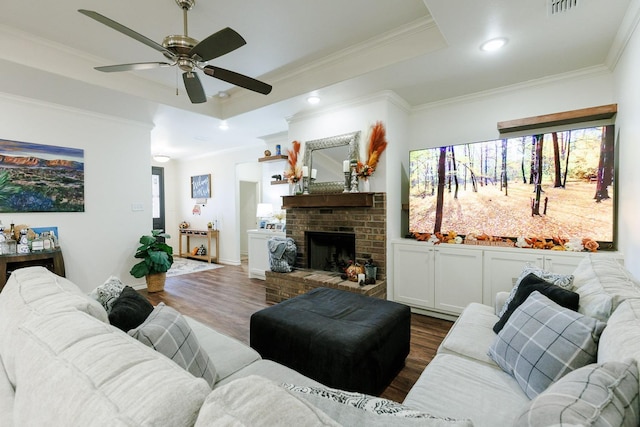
(377, 145)
(555, 243)
(294, 171)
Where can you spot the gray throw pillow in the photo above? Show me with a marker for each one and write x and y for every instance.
(543, 341)
(167, 332)
(605, 394)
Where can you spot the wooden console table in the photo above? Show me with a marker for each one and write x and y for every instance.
(51, 259)
(205, 234)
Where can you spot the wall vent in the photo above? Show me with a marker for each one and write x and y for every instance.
(559, 6)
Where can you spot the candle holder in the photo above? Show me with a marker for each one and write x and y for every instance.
(347, 182)
(354, 178)
(305, 185)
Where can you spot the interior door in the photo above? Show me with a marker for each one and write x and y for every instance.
(157, 186)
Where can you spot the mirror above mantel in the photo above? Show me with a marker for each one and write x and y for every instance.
(326, 155)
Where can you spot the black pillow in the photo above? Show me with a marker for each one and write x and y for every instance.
(129, 310)
(531, 283)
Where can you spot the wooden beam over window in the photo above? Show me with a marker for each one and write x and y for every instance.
(602, 112)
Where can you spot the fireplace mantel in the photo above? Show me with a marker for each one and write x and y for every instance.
(328, 200)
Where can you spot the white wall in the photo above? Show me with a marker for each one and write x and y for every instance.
(475, 117)
(101, 241)
(627, 93)
(223, 205)
(359, 115)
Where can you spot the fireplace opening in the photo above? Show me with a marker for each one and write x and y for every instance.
(330, 251)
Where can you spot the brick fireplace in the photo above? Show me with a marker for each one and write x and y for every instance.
(360, 214)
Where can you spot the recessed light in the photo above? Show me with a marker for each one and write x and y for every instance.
(493, 44)
(223, 125)
(313, 99)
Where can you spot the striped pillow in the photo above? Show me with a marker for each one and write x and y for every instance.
(605, 394)
(167, 332)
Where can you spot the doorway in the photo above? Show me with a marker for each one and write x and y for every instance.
(248, 204)
(157, 198)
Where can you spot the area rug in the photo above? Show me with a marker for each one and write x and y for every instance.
(186, 266)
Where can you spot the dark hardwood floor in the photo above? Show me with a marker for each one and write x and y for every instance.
(225, 298)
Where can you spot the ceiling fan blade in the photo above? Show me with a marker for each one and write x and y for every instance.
(194, 87)
(132, 67)
(237, 79)
(218, 44)
(126, 31)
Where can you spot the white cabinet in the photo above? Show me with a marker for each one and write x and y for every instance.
(446, 278)
(458, 280)
(413, 277)
(502, 268)
(258, 252)
(563, 263)
(439, 278)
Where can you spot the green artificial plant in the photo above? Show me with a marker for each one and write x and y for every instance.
(157, 256)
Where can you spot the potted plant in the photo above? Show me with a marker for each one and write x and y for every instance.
(157, 258)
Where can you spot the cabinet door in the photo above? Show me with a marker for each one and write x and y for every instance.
(502, 268)
(458, 278)
(258, 256)
(413, 275)
(562, 263)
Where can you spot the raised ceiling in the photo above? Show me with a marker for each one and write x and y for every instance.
(424, 51)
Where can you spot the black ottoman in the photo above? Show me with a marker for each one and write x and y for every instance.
(341, 339)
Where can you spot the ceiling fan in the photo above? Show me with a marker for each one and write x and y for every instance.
(188, 54)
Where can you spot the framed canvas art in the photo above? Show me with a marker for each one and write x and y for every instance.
(40, 178)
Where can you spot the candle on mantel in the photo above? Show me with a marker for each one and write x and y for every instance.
(345, 166)
(305, 171)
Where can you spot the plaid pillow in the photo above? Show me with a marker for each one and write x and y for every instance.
(167, 332)
(605, 394)
(543, 341)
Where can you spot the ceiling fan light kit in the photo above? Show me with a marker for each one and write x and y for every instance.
(188, 54)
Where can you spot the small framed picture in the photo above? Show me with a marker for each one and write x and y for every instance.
(263, 224)
(279, 226)
(271, 226)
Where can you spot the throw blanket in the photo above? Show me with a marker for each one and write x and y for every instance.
(282, 254)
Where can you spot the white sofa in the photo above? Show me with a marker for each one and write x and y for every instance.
(62, 364)
(463, 381)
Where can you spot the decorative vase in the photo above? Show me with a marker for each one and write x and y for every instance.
(364, 185)
(297, 188)
(155, 281)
